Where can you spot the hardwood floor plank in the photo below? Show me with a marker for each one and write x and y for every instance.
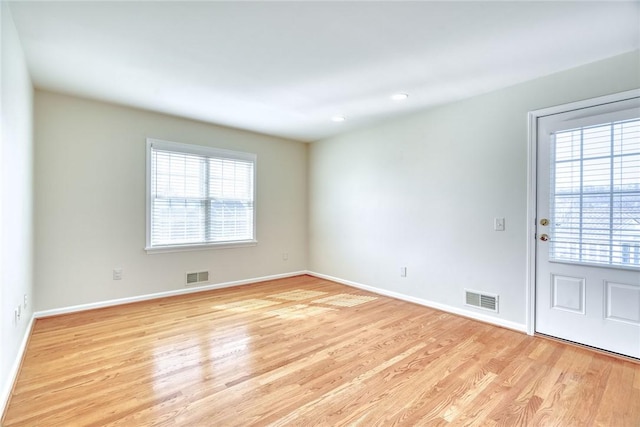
(305, 351)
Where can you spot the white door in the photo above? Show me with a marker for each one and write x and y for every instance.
(588, 226)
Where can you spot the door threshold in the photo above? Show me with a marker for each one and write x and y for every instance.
(588, 347)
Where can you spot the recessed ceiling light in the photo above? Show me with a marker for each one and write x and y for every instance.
(338, 119)
(399, 96)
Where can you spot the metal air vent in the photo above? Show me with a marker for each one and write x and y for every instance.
(481, 300)
(197, 277)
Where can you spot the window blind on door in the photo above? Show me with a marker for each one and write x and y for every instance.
(595, 194)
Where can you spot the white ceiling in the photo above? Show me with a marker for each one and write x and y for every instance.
(284, 68)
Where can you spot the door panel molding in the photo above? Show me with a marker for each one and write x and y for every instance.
(622, 302)
(568, 293)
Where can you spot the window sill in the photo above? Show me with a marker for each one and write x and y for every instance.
(200, 247)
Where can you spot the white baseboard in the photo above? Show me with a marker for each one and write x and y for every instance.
(189, 290)
(438, 306)
(5, 393)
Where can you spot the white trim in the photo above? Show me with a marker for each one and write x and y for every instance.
(189, 290)
(5, 393)
(532, 180)
(586, 103)
(201, 246)
(199, 150)
(431, 304)
(532, 166)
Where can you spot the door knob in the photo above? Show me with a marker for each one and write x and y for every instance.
(544, 237)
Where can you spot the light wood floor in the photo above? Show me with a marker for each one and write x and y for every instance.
(303, 352)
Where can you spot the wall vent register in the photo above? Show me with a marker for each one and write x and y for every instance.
(197, 277)
(481, 300)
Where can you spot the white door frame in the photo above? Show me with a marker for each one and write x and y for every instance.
(532, 190)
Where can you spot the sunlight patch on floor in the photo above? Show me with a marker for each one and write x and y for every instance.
(298, 295)
(345, 300)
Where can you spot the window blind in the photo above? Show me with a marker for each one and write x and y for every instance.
(199, 195)
(595, 194)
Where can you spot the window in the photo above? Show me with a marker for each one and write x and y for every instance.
(596, 194)
(198, 197)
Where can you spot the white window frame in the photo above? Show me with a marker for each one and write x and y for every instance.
(202, 151)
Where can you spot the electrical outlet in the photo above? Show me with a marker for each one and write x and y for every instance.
(24, 301)
(117, 274)
(285, 256)
(403, 271)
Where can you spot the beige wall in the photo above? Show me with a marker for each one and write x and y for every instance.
(90, 203)
(422, 192)
(16, 195)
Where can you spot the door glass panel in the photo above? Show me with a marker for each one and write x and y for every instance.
(595, 194)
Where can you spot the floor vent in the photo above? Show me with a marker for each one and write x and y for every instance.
(480, 300)
(197, 277)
